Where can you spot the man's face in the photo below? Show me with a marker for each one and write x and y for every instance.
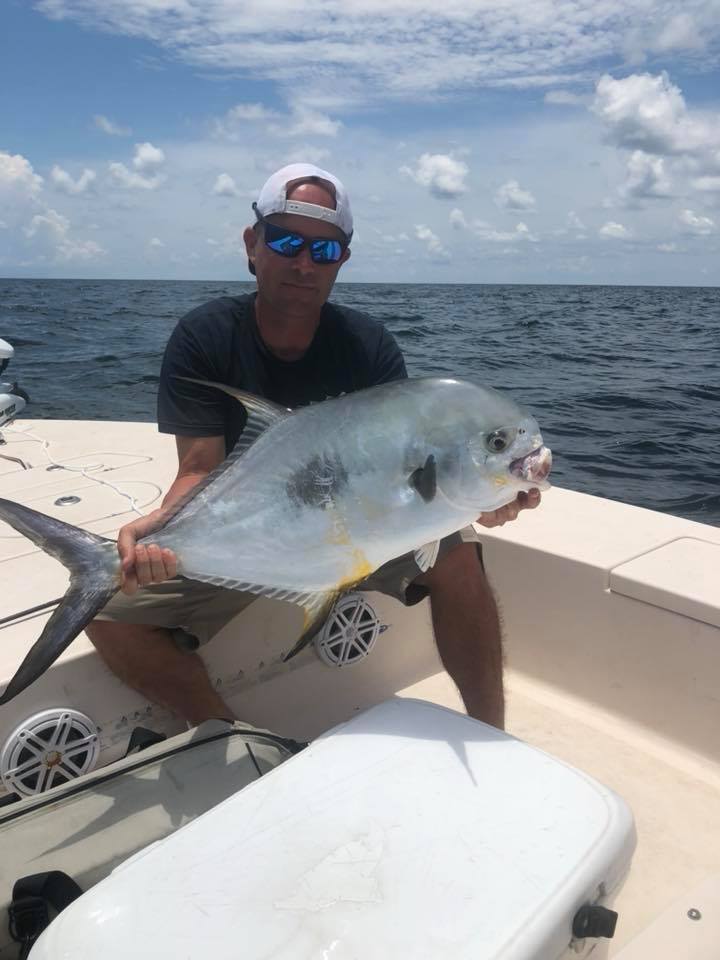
(295, 286)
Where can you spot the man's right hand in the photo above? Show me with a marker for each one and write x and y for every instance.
(143, 564)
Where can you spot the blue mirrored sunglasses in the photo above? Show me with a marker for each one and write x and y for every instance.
(287, 243)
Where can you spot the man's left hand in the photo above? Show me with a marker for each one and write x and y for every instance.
(496, 518)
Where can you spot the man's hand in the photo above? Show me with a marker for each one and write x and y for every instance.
(496, 518)
(143, 564)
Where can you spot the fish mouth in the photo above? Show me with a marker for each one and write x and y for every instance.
(534, 467)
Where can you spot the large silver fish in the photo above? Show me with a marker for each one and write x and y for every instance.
(311, 502)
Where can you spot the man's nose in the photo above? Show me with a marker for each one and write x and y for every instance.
(303, 262)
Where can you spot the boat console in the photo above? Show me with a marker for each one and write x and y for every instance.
(13, 398)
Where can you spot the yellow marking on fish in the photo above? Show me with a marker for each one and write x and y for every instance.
(361, 569)
(500, 481)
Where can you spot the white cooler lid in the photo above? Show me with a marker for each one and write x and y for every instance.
(410, 832)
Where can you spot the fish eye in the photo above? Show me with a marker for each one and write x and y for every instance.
(498, 441)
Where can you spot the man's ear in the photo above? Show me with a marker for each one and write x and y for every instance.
(345, 256)
(250, 237)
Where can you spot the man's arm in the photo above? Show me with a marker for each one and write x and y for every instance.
(145, 564)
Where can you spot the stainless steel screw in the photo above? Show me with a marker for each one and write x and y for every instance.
(694, 914)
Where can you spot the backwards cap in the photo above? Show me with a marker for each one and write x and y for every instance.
(273, 197)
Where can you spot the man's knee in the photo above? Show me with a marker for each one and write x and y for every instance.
(129, 649)
(102, 633)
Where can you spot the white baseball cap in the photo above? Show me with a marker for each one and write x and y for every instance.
(273, 197)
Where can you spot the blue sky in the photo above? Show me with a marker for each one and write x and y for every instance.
(559, 141)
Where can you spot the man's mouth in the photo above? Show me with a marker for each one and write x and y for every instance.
(534, 467)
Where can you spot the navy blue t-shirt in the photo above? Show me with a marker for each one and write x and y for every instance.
(220, 341)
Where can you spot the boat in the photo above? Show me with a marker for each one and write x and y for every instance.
(611, 617)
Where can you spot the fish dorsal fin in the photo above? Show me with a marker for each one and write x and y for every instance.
(426, 555)
(424, 479)
(261, 414)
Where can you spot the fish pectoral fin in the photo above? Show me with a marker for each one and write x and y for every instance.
(316, 609)
(424, 479)
(426, 555)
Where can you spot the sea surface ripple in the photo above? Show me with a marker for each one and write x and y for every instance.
(623, 380)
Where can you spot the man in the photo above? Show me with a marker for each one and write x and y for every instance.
(289, 344)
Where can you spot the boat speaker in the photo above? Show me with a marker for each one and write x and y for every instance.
(349, 633)
(47, 750)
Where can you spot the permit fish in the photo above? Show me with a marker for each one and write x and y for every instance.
(310, 502)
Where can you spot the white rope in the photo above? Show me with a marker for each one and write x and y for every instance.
(83, 471)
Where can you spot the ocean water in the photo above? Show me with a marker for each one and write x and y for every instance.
(625, 381)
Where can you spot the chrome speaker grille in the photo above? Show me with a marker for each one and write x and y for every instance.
(349, 633)
(47, 750)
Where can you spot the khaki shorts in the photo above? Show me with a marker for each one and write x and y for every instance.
(196, 611)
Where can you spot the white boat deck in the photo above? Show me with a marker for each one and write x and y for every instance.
(612, 620)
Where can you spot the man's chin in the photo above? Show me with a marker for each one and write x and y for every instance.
(300, 299)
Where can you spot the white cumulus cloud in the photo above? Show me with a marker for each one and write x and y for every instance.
(646, 177)
(649, 113)
(301, 120)
(442, 174)
(51, 231)
(486, 232)
(147, 162)
(156, 242)
(696, 223)
(613, 230)
(131, 180)
(63, 181)
(225, 186)
(147, 157)
(511, 196)
(107, 126)
(305, 121)
(17, 176)
(434, 246)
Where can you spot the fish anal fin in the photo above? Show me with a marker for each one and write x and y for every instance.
(316, 606)
(316, 609)
(426, 555)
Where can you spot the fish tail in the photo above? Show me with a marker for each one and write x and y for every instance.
(94, 568)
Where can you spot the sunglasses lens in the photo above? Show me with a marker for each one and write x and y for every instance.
(326, 251)
(284, 243)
